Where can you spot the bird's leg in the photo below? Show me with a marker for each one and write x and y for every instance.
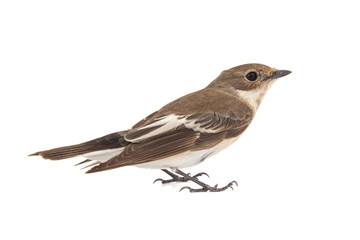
(176, 178)
(205, 187)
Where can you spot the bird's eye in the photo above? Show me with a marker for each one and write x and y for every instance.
(251, 76)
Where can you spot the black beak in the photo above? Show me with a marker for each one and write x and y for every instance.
(280, 73)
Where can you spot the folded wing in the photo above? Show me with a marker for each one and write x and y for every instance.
(169, 135)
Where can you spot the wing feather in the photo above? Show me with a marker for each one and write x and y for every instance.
(164, 133)
(159, 147)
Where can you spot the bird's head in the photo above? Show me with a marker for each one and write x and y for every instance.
(250, 81)
(248, 77)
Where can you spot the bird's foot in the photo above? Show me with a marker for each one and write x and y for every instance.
(204, 187)
(176, 178)
(207, 188)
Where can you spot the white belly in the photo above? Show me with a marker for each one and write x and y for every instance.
(189, 158)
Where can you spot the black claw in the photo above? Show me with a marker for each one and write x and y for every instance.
(200, 174)
(159, 179)
(233, 182)
(184, 188)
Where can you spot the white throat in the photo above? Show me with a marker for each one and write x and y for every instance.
(254, 97)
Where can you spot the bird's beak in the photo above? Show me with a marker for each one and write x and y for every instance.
(280, 73)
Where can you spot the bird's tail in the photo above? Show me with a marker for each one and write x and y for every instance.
(108, 142)
(65, 152)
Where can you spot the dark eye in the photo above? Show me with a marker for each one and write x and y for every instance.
(251, 76)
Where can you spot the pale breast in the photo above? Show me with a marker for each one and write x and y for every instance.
(189, 158)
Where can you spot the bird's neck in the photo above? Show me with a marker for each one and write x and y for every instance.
(254, 97)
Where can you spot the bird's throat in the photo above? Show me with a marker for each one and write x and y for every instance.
(254, 97)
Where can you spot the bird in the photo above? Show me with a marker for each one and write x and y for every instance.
(184, 132)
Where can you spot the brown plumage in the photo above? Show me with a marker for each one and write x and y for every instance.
(110, 141)
(200, 121)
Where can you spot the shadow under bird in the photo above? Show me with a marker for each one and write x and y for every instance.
(184, 132)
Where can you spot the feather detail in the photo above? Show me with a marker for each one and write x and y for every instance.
(90, 165)
(108, 142)
(85, 161)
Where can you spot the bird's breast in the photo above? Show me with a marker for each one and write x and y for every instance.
(188, 158)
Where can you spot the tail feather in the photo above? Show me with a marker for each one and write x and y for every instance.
(92, 164)
(111, 141)
(63, 152)
(85, 161)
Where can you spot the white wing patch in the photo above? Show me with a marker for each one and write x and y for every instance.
(169, 123)
(191, 124)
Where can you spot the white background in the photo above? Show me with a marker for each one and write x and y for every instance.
(73, 70)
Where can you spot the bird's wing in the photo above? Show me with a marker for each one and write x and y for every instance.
(170, 135)
(198, 122)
